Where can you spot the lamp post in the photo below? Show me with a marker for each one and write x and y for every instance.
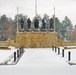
(17, 19)
(54, 19)
(36, 8)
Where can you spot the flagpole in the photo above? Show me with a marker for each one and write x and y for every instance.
(36, 8)
(17, 19)
(54, 19)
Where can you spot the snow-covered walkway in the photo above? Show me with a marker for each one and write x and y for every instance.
(39, 62)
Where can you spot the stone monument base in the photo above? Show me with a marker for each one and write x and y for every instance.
(36, 39)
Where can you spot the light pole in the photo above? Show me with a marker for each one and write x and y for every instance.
(17, 19)
(54, 19)
(36, 8)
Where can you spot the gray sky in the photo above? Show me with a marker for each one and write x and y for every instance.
(63, 8)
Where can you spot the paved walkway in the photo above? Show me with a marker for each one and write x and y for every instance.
(39, 62)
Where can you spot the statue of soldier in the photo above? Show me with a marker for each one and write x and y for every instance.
(29, 23)
(22, 24)
(51, 23)
(43, 24)
(36, 23)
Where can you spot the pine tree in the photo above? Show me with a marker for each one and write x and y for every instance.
(46, 17)
(66, 26)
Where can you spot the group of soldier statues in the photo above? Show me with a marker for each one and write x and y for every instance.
(36, 24)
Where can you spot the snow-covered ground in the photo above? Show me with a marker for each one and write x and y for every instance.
(39, 61)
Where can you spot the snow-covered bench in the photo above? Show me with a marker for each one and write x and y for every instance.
(70, 47)
(5, 48)
(72, 62)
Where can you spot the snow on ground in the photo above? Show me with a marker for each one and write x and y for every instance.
(39, 61)
(4, 54)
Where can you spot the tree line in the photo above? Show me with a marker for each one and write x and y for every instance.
(8, 27)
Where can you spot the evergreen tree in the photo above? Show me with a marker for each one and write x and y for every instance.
(57, 25)
(66, 26)
(75, 27)
(46, 17)
(3, 24)
(21, 16)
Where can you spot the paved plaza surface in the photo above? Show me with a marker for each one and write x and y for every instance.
(39, 61)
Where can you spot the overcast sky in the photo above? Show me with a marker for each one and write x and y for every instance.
(63, 8)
